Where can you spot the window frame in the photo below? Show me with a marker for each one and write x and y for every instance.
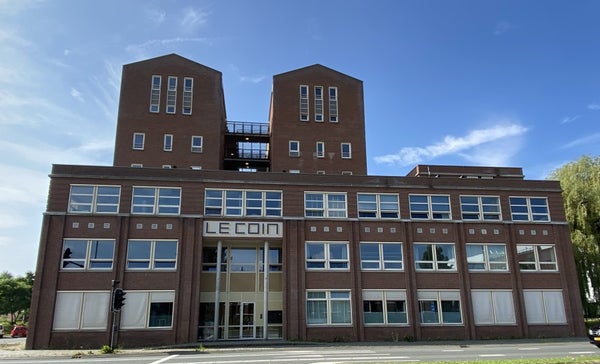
(430, 212)
(168, 143)
(481, 205)
(66, 300)
(94, 204)
(197, 148)
(488, 307)
(294, 148)
(318, 94)
(152, 260)
(369, 264)
(346, 154)
(143, 311)
(171, 105)
(439, 297)
(156, 204)
(327, 263)
(486, 262)
(540, 298)
(155, 94)
(333, 104)
(270, 205)
(326, 209)
(385, 296)
(87, 261)
(320, 149)
(329, 299)
(537, 264)
(531, 215)
(304, 103)
(378, 211)
(435, 260)
(137, 144)
(188, 96)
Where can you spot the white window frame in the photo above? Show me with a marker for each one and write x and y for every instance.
(327, 263)
(431, 213)
(188, 96)
(319, 104)
(330, 299)
(529, 212)
(197, 147)
(438, 296)
(136, 313)
(481, 210)
(155, 93)
(136, 145)
(544, 306)
(216, 203)
(153, 263)
(304, 103)
(346, 154)
(168, 143)
(436, 262)
(86, 263)
(383, 296)
(537, 265)
(493, 307)
(320, 149)
(81, 311)
(156, 204)
(171, 107)
(294, 148)
(381, 263)
(97, 200)
(486, 257)
(325, 210)
(333, 104)
(377, 209)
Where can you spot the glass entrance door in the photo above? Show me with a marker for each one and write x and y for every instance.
(241, 321)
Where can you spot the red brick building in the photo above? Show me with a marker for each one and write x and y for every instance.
(199, 214)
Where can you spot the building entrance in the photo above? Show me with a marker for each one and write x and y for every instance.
(241, 323)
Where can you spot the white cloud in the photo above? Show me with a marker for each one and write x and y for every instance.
(594, 107)
(77, 95)
(590, 139)
(504, 27)
(569, 119)
(252, 79)
(141, 51)
(192, 18)
(484, 145)
(155, 15)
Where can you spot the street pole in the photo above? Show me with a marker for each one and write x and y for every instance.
(114, 314)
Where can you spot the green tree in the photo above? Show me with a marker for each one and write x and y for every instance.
(15, 296)
(580, 181)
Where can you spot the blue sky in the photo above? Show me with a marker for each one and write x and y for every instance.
(481, 82)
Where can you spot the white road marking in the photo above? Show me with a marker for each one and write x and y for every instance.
(523, 349)
(165, 359)
(582, 352)
(490, 355)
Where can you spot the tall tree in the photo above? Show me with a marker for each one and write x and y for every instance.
(580, 181)
(15, 295)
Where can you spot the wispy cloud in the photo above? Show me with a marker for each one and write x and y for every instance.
(77, 95)
(594, 107)
(473, 141)
(589, 139)
(252, 79)
(140, 51)
(504, 27)
(193, 18)
(569, 119)
(155, 15)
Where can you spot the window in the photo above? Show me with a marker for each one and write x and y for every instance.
(242, 203)
(188, 89)
(86, 310)
(196, 144)
(537, 257)
(155, 94)
(241, 259)
(384, 307)
(487, 257)
(152, 254)
(329, 255)
(480, 207)
(83, 254)
(320, 152)
(439, 307)
(381, 256)
(430, 207)
(434, 256)
(318, 103)
(209, 259)
(378, 206)
(138, 141)
(529, 209)
(303, 103)
(328, 308)
(321, 204)
(275, 264)
(294, 148)
(544, 306)
(494, 307)
(171, 94)
(168, 143)
(346, 150)
(94, 199)
(148, 309)
(333, 104)
(156, 200)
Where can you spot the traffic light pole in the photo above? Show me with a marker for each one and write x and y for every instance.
(114, 314)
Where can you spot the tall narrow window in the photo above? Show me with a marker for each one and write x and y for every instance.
(303, 103)
(196, 144)
(346, 151)
(138, 141)
(188, 93)
(168, 143)
(294, 148)
(171, 94)
(318, 103)
(333, 104)
(320, 150)
(155, 94)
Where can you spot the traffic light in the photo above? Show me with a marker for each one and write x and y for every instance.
(118, 299)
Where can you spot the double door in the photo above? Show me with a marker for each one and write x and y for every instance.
(241, 322)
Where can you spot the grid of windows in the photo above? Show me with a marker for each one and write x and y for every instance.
(333, 104)
(94, 199)
(487, 257)
(327, 255)
(493, 307)
(303, 103)
(544, 306)
(84, 254)
(430, 207)
(168, 143)
(241, 259)
(294, 148)
(529, 209)
(323, 204)
(537, 257)
(156, 200)
(148, 309)
(242, 203)
(188, 93)
(196, 144)
(87, 310)
(439, 307)
(480, 208)
(346, 150)
(434, 256)
(320, 151)
(151, 254)
(384, 307)
(378, 206)
(381, 256)
(328, 307)
(155, 94)
(318, 103)
(138, 141)
(171, 94)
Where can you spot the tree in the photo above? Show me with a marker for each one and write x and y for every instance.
(15, 295)
(580, 181)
